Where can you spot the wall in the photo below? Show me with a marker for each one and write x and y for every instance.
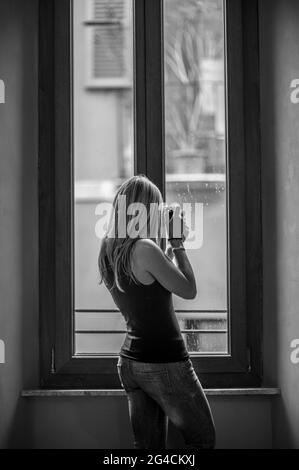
(280, 148)
(18, 213)
(241, 423)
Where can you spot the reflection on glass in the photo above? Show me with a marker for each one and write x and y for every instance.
(103, 146)
(196, 156)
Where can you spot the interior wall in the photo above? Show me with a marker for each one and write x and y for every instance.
(18, 214)
(81, 423)
(279, 31)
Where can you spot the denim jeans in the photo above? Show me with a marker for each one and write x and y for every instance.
(158, 392)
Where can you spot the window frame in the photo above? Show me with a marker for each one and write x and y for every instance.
(58, 368)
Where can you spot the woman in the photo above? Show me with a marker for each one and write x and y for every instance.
(154, 366)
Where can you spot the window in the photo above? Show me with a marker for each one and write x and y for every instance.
(169, 89)
(195, 140)
(103, 156)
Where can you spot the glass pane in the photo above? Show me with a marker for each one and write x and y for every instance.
(103, 148)
(98, 344)
(196, 156)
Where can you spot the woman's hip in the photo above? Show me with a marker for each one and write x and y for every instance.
(176, 378)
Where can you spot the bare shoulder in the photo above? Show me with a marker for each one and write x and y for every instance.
(146, 246)
(145, 249)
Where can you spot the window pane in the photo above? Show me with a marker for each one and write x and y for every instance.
(196, 155)
(103, 148)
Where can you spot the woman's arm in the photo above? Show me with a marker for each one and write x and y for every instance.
(179, 280)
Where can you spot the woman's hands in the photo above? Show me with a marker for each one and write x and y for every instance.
(178, 230)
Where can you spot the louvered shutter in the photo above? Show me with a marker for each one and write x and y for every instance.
(108, 43)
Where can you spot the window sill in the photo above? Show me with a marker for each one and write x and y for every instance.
(240, 392)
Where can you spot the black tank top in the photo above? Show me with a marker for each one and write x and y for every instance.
(153, 331)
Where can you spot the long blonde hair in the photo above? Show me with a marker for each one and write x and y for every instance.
(116, 249)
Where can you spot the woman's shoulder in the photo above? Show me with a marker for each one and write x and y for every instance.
(145, 246)
(145, 251)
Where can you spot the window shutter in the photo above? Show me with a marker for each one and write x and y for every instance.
(108, 10)
(108, 45)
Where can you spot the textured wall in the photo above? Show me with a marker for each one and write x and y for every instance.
(242, 423)
(280, 150)
(18, 212)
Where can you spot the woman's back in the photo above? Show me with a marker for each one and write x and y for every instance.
(153, 332)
